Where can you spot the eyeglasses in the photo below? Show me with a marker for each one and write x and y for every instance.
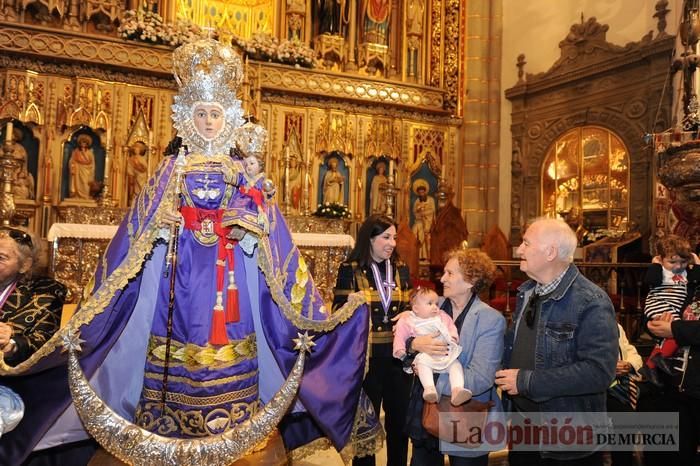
(531, 309)
(20, 237)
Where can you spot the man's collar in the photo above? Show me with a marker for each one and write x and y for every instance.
(542, 289)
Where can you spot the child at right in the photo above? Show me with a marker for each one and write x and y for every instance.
(672, 278)
(426, 318)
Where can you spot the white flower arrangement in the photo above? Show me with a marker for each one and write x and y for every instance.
(333, 210)
(148, 26)
(264, 47)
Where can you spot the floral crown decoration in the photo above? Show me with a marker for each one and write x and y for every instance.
(251, 139)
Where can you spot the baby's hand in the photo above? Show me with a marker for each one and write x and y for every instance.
(237, 233)
(399, 316)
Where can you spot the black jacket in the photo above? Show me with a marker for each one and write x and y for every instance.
(687, 333)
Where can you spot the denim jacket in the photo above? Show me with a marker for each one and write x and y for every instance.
(576, 349)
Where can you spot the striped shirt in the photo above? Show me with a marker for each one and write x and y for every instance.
(667, 297)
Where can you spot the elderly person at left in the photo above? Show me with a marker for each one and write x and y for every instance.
(481, 328)
(30, 312)
(31, 306)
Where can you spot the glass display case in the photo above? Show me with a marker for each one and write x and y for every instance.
(585, 180)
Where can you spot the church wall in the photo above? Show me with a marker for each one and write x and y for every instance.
(535, 28)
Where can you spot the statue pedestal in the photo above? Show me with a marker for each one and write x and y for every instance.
(374, 57)
(331, 49)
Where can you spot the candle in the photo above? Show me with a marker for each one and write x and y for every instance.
(308, 156)
(109, 137)
(391, 167)
(150, 140)
(443, 169)
(8, 132)
(47, 177)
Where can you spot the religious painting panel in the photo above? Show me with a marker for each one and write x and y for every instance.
(25, 149)
(83, 166)
(376, 175)
(333, 176)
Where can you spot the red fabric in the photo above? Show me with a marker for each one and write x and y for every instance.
(217, 334)
(232, 313)
(194, 217)
(678, 278)
(254, 194)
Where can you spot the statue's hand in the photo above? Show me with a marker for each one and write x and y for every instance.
(237, 233)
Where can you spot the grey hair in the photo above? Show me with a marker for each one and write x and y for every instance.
(25, 251)
(560, 234)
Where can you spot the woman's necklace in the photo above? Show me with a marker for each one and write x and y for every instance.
(384, 287)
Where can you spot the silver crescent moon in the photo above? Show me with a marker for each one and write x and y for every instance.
(137, 446)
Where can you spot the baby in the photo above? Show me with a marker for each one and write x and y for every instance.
(248, 209)
(425, 318)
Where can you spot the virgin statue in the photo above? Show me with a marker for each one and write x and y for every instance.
(188, 327)
(333, 182)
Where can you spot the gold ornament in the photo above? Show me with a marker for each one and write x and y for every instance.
(137, 446)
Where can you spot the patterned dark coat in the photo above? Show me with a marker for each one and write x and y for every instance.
(34, 311)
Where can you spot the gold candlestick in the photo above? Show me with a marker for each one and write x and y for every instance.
(8, 168)
(306, 193)
(106, 198)
(390, 191)
(287, 188)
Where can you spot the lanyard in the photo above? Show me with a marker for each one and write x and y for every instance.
(6, 293)
(384, 287)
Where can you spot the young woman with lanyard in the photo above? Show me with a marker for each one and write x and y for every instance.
(373, 268)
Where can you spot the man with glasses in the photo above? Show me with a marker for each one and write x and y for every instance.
(561, 351)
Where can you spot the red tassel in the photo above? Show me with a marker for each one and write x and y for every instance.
(217, 335)
(232, 313)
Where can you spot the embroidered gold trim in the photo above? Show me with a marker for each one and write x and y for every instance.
(309, 449)
(202, 357)
(381, 337)
(191, 422)
(189, 400)
(275, 281)
(202, 383)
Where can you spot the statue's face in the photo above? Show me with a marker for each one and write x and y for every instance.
(208, 120)
(252, 165)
